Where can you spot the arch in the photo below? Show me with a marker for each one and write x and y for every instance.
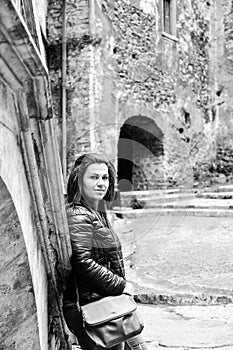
(13, 176)
(140, 155)
(18, 313)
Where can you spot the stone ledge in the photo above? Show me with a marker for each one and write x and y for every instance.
(132, 213)
(182, 299)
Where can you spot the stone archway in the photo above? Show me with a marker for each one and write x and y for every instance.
(140, 155)
(18, 314)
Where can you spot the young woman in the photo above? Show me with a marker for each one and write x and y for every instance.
(97, 262)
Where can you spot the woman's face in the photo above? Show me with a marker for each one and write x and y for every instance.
(95, 182)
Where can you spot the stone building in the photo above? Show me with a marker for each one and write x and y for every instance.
(149, 83)
(34, 248)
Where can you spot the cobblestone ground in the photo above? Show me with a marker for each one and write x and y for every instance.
(182, 254)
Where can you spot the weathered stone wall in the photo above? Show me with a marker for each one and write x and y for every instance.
(166, 80)
(148, 172)
(35, 244)
(18, 314)
(128, 68)
(224, 90)
(20, 247)
(218, 169)
(79, 44)
(139, 69)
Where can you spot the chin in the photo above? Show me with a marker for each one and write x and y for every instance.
(100, 197)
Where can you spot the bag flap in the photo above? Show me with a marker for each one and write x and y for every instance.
(108, 308)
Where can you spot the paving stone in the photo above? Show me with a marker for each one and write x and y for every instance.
(188, 327)
(179, 259)
(185, 264)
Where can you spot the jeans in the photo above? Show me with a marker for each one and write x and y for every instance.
(74, 323)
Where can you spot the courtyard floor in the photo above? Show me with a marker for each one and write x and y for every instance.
(182, 270)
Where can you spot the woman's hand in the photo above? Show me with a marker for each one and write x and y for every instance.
(129, 289)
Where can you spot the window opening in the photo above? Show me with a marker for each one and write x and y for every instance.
(167, 16)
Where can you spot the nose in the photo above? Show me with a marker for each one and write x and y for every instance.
(100, 182)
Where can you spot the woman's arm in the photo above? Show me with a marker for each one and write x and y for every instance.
(88, 270)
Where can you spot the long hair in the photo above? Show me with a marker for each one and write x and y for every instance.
(78, 170)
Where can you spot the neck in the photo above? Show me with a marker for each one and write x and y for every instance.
(93, 204)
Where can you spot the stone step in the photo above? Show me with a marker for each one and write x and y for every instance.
(200, 203)
(133, 213)
(216, 195)
(148, 193)
(158, 201)
(155, 193)
(188, 202)
(219, 198)
(147, 199)
(224, 188)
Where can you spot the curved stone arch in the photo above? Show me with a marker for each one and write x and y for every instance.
(140, 155)
(139, 108)
(12, 174)
(18, 313)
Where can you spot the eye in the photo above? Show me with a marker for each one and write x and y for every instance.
(105, 177)
(94, 177)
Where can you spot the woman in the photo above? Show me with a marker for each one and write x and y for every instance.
(97, 262)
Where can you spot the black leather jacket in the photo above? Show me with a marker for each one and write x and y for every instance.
(97, 262)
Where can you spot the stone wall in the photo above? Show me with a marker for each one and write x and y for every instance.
(139, 66)
(152, 176)
(79, 44)
(18, 316)
(22, 261)
(224, 89)
(217, 169)
(126, 67)
(170, 81)
(35, 244)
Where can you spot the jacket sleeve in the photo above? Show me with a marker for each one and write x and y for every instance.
(87, 269)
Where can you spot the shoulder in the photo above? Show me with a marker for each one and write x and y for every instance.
(79, 214)
(80, 223)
